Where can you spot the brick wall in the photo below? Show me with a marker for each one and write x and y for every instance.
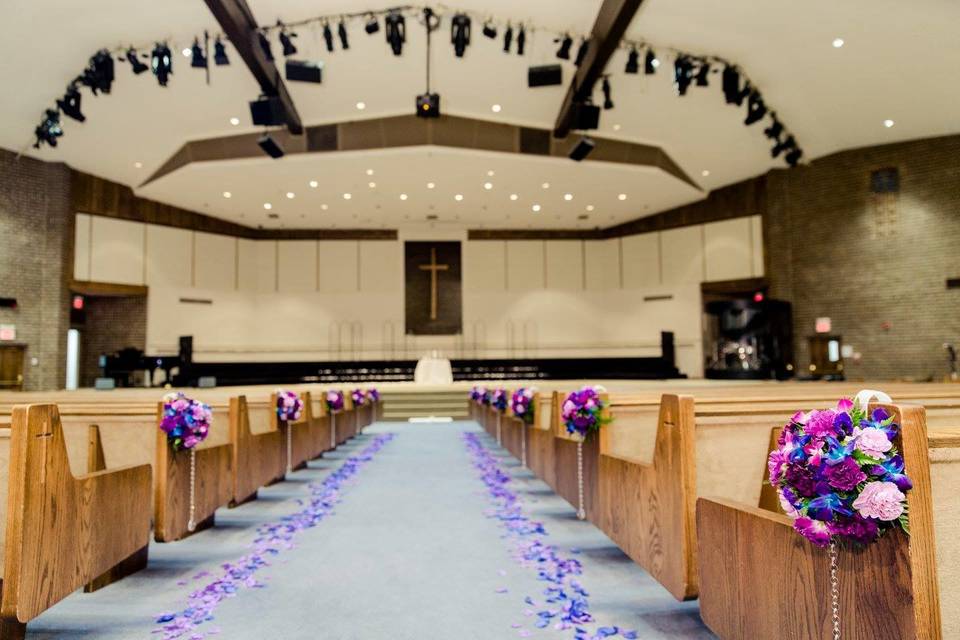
(36, 261)
(111, 324)
(880, 275)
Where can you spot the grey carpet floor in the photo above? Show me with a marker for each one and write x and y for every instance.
(407, 554)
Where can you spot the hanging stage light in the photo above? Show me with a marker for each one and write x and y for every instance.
(521, 40)
(633, 61)
(783, 145)
(286, 41)
(793, 157)
(564, 51)
(756, 109)
(650, 63)
(161, 61)
(99, 73)
(70, 103)
(682, 74)
(197, 59)
(342, 34)
(607, 100)
(460, 33)
(732, 91)
(489, 30)
(220, 53)
(373, 25)
(582, 51)
(507, 38)
(135, 64)
(774, 130)
(328, 36)
(396, 28)
(49, 129)
(265, 45)
(703, 74)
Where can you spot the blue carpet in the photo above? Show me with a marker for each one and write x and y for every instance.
(407, 554)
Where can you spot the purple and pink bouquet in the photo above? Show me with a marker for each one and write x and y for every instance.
(582, 411)
(334, 401)
(373, 394)
(838, 474)
(359, 397)
(185, 421)
(289, 406)
(521, 403)
(484, 395)
(476, 394)
(499, 400)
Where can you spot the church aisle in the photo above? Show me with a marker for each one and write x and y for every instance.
(408, 553)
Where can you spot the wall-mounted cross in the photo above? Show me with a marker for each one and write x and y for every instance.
(434, 270)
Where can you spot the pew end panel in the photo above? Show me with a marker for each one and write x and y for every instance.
(319, 423)
(540, 450)
(760, 579)
(258, 448)
(64, 531)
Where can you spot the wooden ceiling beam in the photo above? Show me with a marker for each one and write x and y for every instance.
(612, 21)
(241, 28)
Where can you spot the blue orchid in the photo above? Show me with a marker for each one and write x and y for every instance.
(892, 471)
(823, 507)
(836, 452)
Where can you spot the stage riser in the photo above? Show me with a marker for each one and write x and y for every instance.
(403, 406)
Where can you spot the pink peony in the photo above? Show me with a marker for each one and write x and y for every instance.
(844, 405)
(880, 500)
(873, 442)
(820, 423)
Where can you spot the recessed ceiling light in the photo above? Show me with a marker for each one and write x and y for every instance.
(495, 108)
(403, 196)
(545, 185)
(291, 195)
(458, 197)
(138, 165)
(324, 207)
(187, 52)
(705, 173)
(568, 197)
(514, 196)
(372, 185)
(488, 185)
(227, 194)
(347, 196)
(837, 43)
(888, 123)
(622, 196)
(590, 207)
(535, 207)
(234, 121)
(430, 185)
(655, 62)
(267, 206)
(369, 172)
(361, 106)
(616, 127)
(314, 184)
(490, 173)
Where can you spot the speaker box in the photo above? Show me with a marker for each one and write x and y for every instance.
(545, 76)
(303, 71)
(270, 146)
(585, 116)
(428, 105)
(267, 111)
(582, 149)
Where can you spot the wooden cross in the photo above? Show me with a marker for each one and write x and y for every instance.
(433, 268)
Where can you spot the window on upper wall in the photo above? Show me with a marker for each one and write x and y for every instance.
(884, 202)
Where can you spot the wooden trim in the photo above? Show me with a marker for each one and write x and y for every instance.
(107, 289)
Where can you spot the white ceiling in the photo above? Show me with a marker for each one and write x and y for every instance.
(899, 62)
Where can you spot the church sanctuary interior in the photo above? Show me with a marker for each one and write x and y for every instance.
(553, 319)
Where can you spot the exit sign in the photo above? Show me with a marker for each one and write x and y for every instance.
(823, 325)
(8, 332)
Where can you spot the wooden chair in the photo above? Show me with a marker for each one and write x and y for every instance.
(760, 579)
(62, 532)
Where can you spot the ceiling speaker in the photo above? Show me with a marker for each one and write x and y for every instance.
(545, 76)
(303, 71)
(267, 111)
(270, 146)
(582, 149)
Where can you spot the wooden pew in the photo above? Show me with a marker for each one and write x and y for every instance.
(760, 579)
(258, 447)
(299, 436)
(315, 412)
(62, 531)
(540, 437)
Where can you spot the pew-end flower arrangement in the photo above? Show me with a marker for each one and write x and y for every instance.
(334, 400)
(840, 478)
(359, 397)
(583, 412)
(187, 423)
(499, 399)
(521, 404)
(373, 394)
(289, 406)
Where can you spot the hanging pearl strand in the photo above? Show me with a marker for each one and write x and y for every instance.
(834, 590)
(289, 447)
(581, 514)
(333, 429)
(499, 440)
(192, 523)
(523, 443)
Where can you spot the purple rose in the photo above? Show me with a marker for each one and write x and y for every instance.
(801, 479)
(820, 424)
(845, 475)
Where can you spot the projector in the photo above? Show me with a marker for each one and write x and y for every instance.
(428, 105)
